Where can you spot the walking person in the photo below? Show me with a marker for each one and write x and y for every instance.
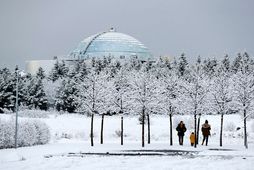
(181, 129)
(192, 139)
(206, 132)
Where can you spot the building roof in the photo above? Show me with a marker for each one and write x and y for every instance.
(111, 43)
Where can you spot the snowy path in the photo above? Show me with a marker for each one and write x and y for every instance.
(68, 155)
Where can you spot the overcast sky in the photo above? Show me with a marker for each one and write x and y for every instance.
(33, 29)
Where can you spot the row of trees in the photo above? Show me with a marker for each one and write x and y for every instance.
(165, 87)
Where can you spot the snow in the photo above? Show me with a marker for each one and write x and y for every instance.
(73, 151)
(27, 158)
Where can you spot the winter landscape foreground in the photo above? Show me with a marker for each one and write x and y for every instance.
(69, 147)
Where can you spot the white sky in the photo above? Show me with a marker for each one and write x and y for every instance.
(33, 29)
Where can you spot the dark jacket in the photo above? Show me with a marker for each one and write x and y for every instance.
(206, 129)
(180, 129)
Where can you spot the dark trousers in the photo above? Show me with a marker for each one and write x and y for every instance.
(180, 140)
(205, 139)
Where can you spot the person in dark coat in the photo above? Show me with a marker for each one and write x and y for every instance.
(206, 132)
(181, 129)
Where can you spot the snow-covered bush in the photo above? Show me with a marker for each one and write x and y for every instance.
(30, 133)
(66, 136)
(7, 132)
(33, 113)
(6, 111)
(230, 126)
(118, 133)
(27, 134)
(43, 133)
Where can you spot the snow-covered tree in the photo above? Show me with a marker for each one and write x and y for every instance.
(51, 89)
(237, 63)
(143, 96)
(94, 95)
(7, 89)
(244, 89)
(221, 91)
(135, 63)
(40, 73)
(210, 67)
(168, 88)
(36, 96)
(194, 90)
(225, 64)
(119, 95)
(67, 96)
(80, 70)
(183, 65)
(60, 70)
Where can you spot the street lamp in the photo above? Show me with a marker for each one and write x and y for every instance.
(16, 107)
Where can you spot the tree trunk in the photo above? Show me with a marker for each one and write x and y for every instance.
(148, 128)
(122, 130)
(102, 123)
(143, 127)
(245, 129)
(171, 129)
(195, 129)
(221, 128)
(91, 134)
(198, 128)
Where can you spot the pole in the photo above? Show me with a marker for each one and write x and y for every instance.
(16, 108)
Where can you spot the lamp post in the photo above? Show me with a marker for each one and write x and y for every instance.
(16, 107)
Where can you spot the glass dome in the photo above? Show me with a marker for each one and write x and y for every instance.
(113, 44)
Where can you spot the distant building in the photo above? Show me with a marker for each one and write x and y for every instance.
(32, 66)
(105, 44)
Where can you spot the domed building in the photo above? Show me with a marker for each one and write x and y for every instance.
(111, 44)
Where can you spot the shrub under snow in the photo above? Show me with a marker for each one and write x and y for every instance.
(32, 132)
(43, 134)
(33, 113)
(230, 126)
(27, 134)
(6, 134)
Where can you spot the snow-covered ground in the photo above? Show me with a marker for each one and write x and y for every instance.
(70, 148)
